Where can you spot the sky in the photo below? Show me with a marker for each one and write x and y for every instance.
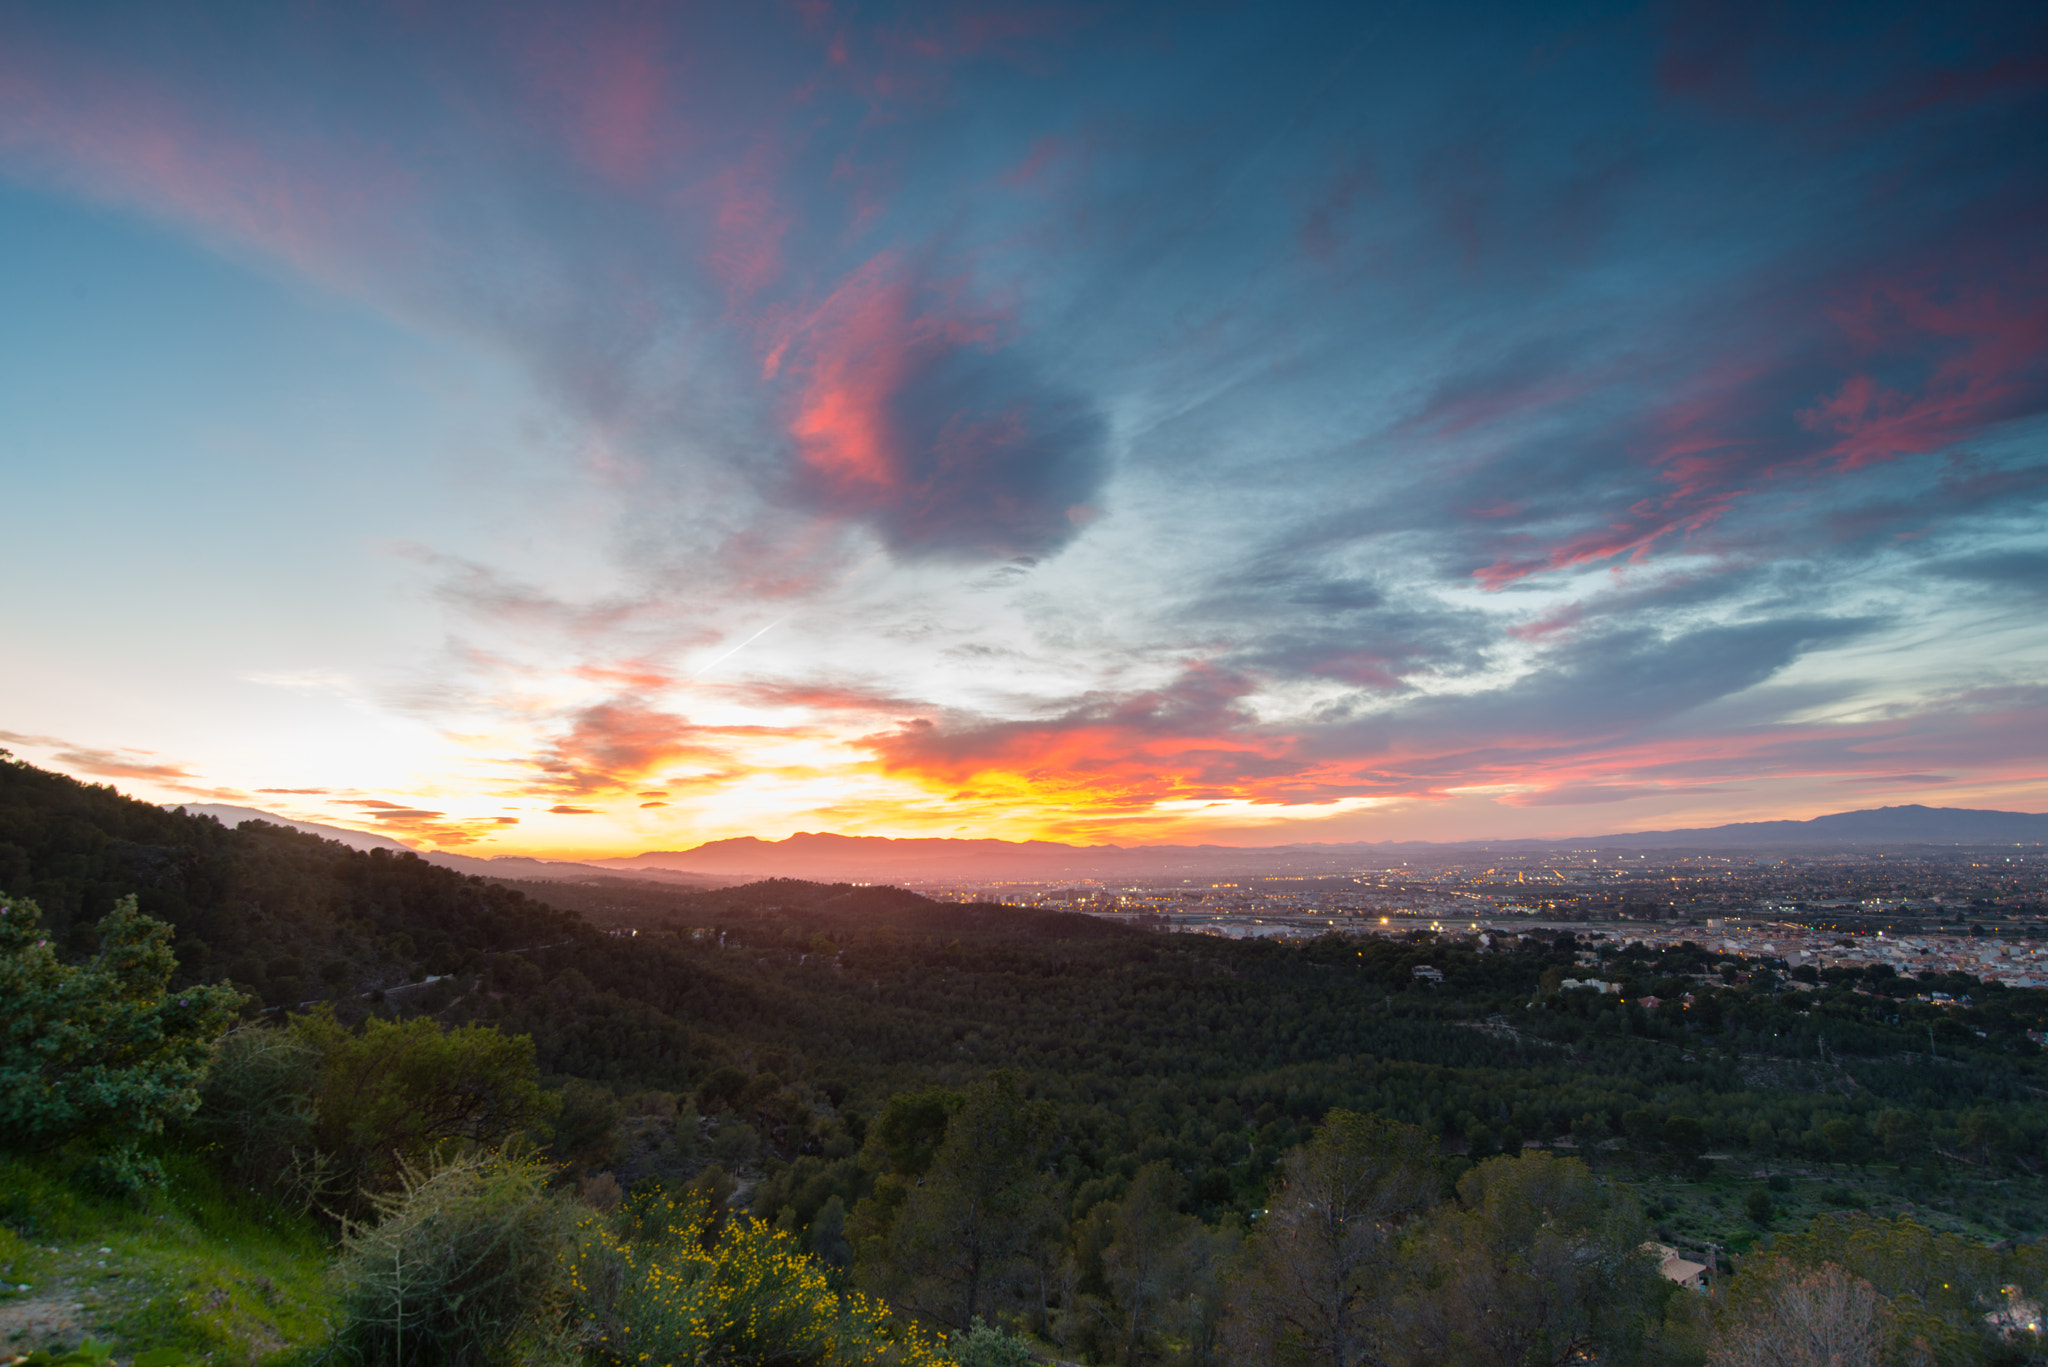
(578, 429)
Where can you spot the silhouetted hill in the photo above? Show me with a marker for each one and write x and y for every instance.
(231, 817)
(287, 915)
(804, 908)
(291, 916)
(500, 866)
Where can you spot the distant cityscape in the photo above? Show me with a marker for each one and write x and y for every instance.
(1977, 911)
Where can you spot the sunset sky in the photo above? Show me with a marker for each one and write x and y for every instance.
(586, 428)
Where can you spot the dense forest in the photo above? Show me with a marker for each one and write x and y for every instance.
(1126, 1109)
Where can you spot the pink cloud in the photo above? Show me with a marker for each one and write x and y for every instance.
(849, 359)
(1986, 338)
(1962, 340)
(749, 225)
(912, 61)
(324, 204)
(615, 86)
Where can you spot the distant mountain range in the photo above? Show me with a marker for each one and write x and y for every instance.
(1913, 825)
(816, 855)
(876, 859)
(857, 858)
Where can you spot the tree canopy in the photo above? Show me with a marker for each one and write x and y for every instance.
(102, 1050)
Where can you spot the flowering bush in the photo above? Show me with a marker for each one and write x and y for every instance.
(101, 1050)
(656, 1289)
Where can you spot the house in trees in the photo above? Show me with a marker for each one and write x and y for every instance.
(1675, 1267)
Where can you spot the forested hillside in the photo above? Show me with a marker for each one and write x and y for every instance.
(1216, 1054)
(809, 1052)
(288, 916)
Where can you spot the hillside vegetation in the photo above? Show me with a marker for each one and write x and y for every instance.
(1041, 1122)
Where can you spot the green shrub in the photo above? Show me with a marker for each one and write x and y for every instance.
(126, 1172)
(464, 1264)
(257, 1098)
(392, 1094)
(654, 1287)
(102, 1053)
(316, 1112)
(256, 1105)
(986, 1346)
(586, 1128)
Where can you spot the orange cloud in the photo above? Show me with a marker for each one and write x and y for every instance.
(614, 746)
(1188, 741)
(1147, 762)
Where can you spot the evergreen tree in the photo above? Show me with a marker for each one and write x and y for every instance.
(101, 1051)
(1323, 1271)
(971, 1234)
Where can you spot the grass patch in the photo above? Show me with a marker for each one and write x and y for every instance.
(198, 1266)
(21, 1263)
(35, 1203)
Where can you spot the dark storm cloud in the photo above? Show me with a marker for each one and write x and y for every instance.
(995, 463)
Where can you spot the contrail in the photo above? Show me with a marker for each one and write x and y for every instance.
(698, 672)
(844, 579)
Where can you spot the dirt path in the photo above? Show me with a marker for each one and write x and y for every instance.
(79, 1292)
(51, 1316)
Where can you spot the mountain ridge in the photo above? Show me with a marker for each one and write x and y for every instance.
(818, 853)
(831, 856)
